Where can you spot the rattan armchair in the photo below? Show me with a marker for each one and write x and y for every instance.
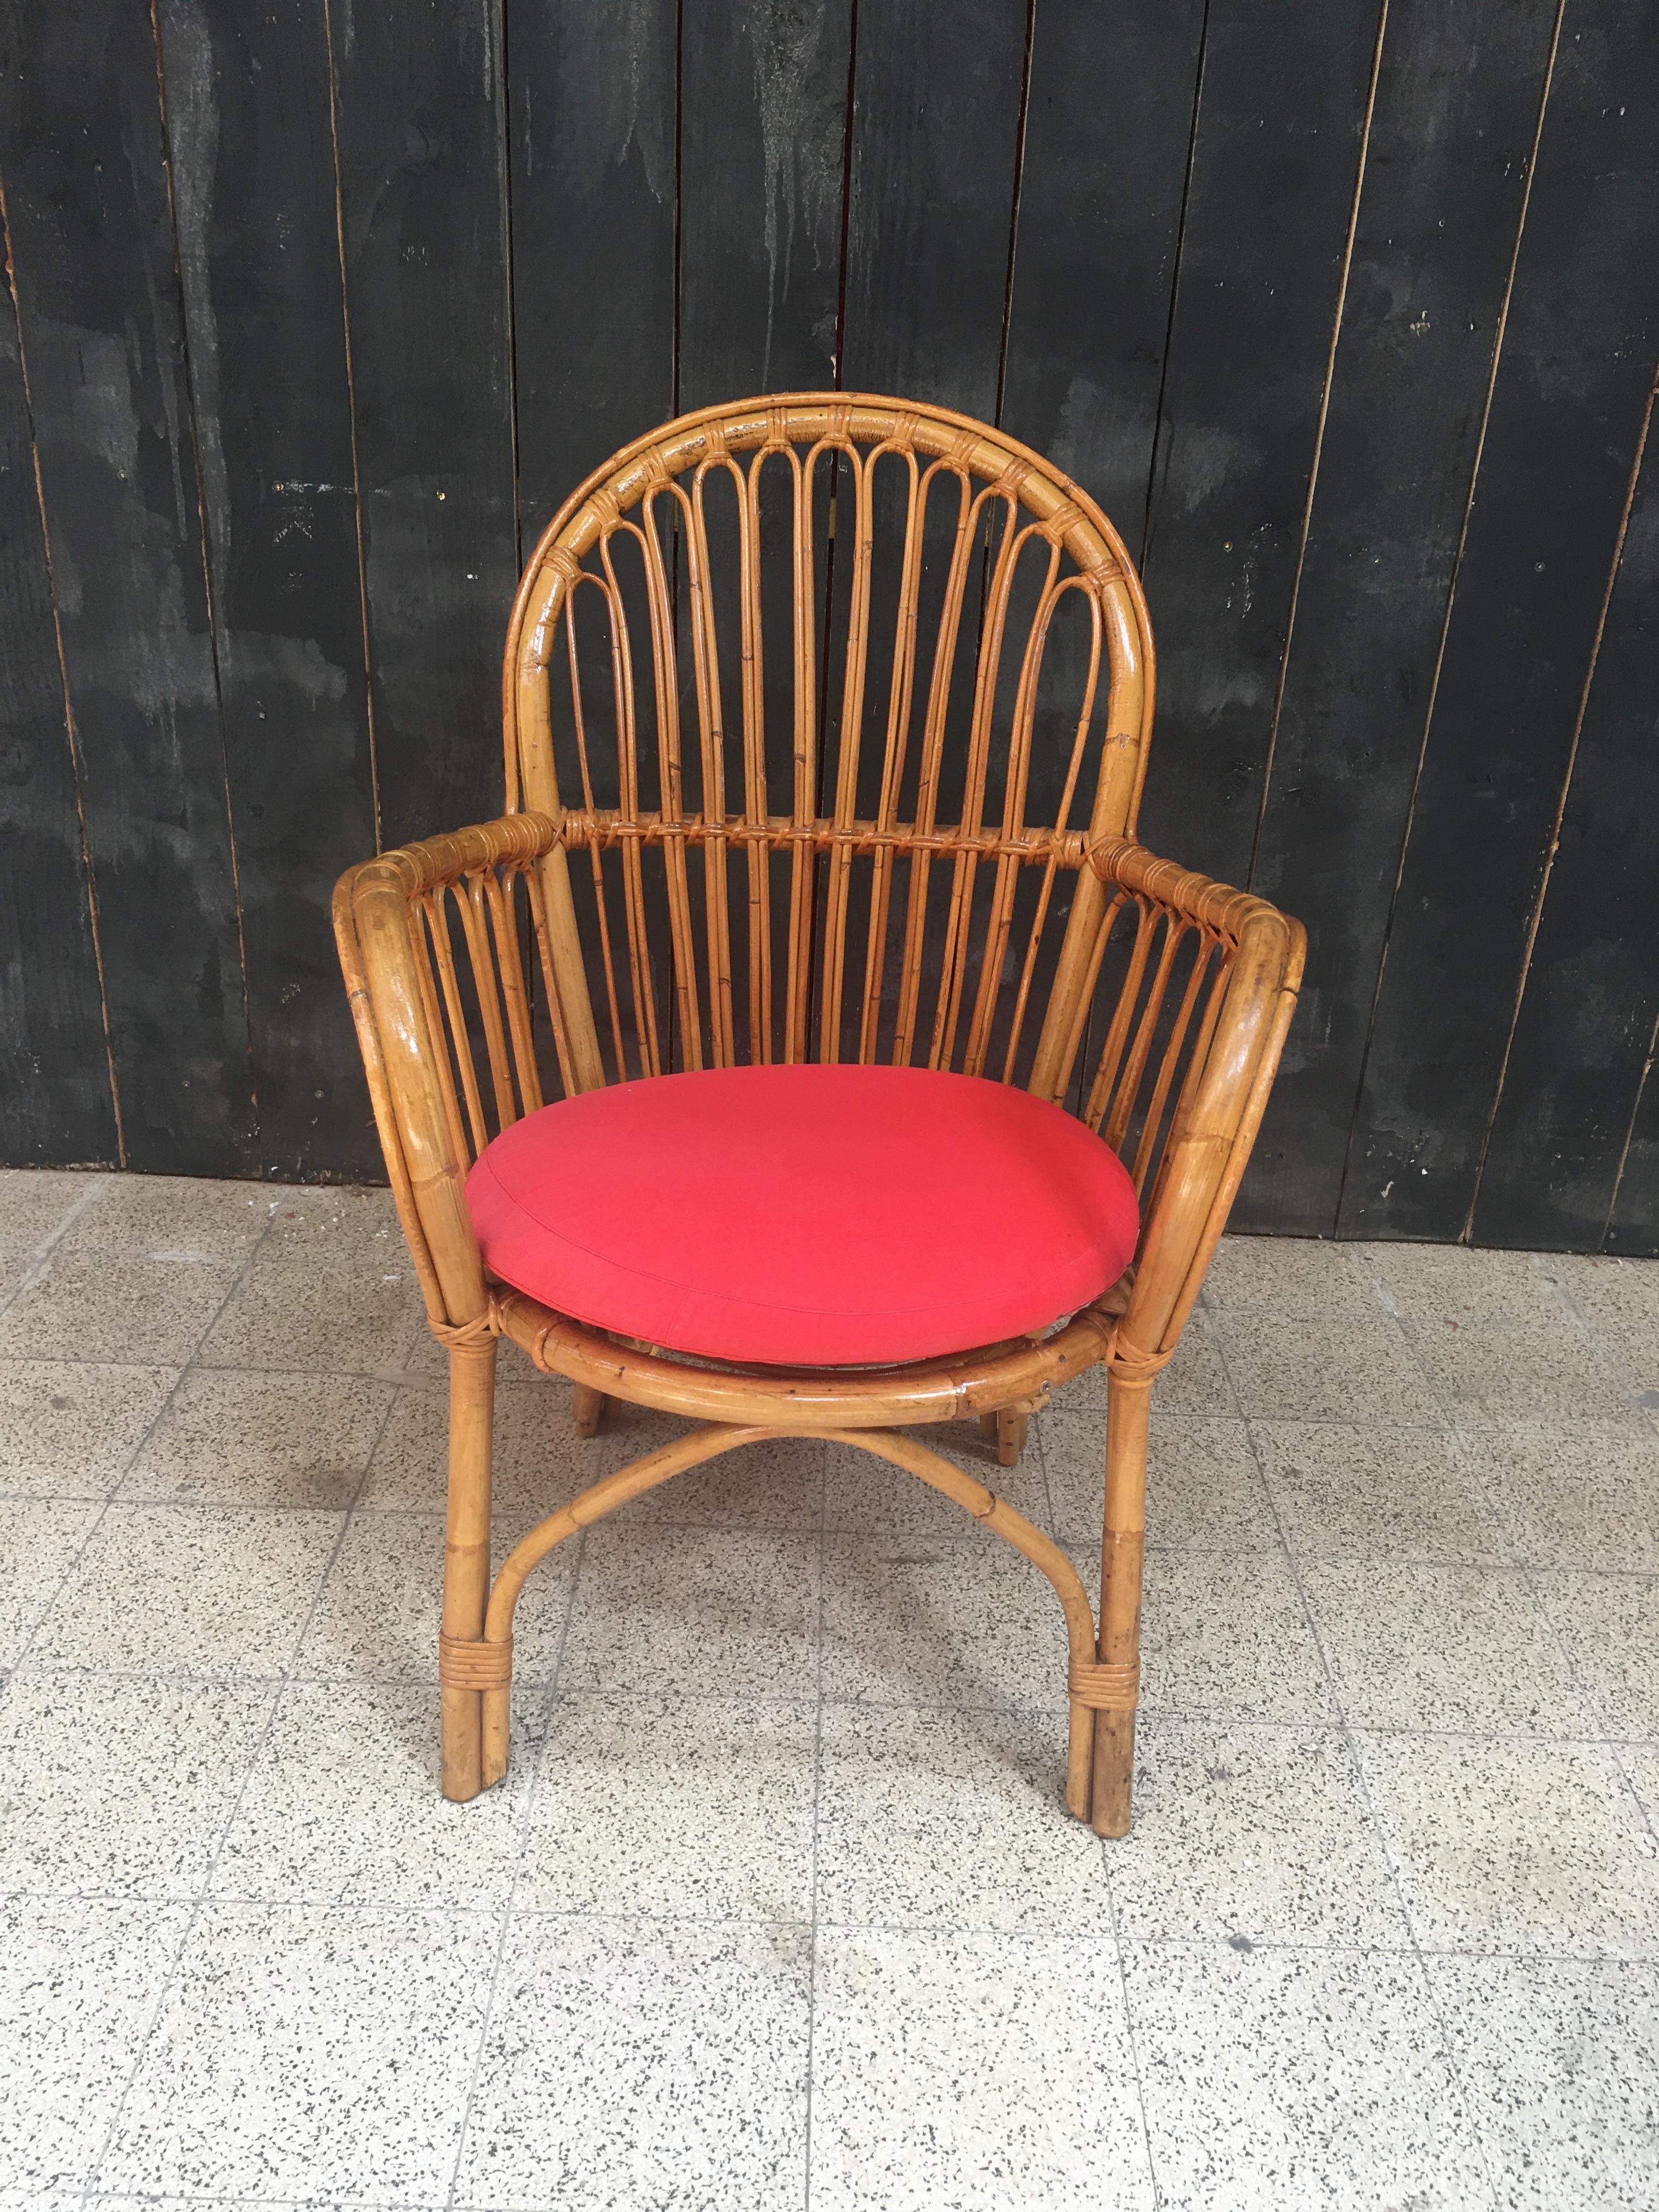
(826, 719)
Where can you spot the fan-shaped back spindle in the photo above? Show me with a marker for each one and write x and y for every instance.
(830, 695)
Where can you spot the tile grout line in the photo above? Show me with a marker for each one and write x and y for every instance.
(180, 1375)
(35, 1266)
(205, 1898)
(1505, 1527)
(812, 1921)
(1379, 1829)
(193, 1904)
(550, 1708)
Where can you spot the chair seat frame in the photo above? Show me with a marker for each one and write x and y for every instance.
(397, 954)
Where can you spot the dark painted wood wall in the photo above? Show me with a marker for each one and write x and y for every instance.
(1346, 312)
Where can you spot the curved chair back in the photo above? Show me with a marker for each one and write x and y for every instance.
(829, 695)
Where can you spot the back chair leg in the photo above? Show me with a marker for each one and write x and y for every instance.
(1122, 1546)
(589, 1408)
(467, 1557)
(1006, 1430)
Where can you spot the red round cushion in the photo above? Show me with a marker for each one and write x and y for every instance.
(805, 1217)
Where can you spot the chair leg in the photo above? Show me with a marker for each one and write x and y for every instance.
(466, 1555)
(1122, 1544)
(589, 1408)
(1006, 1430)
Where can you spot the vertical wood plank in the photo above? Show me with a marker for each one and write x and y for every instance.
(1108, 126)
(249, 125)
(1567, 410)
(1633, 1226)
(1450, 141)
(422, 170)
(1586, 1022)
(56, 1102)
(591, 99)
(98, 296)
(1281, 109)
(763, 110)
(936, 112)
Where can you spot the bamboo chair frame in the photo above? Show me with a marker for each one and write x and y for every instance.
(980, 943)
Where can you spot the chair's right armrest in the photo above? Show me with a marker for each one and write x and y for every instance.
(373, 917)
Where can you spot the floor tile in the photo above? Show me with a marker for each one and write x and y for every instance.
(1574, 1497)
(1610, 1626)
(303, 1310)
(944, 1819)
(1227, 1636)
(673, 1806)
(716, 1612)
(1490, 1375)
(637, 2066)
(68, 1429)
(179, 1590)
(1289, 1275)
(1323, 1368)
(1376, 1493)
(343, 1807)
(116, 1306)
(1641, 1764)
(377, 1613)
(1262, 1833)
(870, 1496)
(35, 1203)
(1298, 2079)
(1203, 1486)
(79, 1982)
(1559, 2061)
(115, 1787)
(1429, 1646)
(914, 1622)
(173, 1216)
(335, 1227)
(1451, 1283)
(308, 2054)
(231, 1438)
(978, 2071)
(1613, 1292)
(1630, 1350)
(1514, 1847)
(39, 1539)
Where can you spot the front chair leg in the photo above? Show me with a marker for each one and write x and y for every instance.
(466, 1563)
(1122, 1545)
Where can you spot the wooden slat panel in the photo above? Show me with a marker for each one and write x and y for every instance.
(56, 1102)
(1633, 1230)
(1586, 1021)
(1451, 135)
(1280, 114)
(591, 106)
(936, 115)
(422, 150)
(1108, 130)
(93, 251)
(764, 124)
(1566, 413)
(249, 125)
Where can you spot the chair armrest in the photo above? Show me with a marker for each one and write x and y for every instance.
(1207, 1154)
(373, 904)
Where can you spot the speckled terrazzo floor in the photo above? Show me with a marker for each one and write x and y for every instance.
(779, 1905)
